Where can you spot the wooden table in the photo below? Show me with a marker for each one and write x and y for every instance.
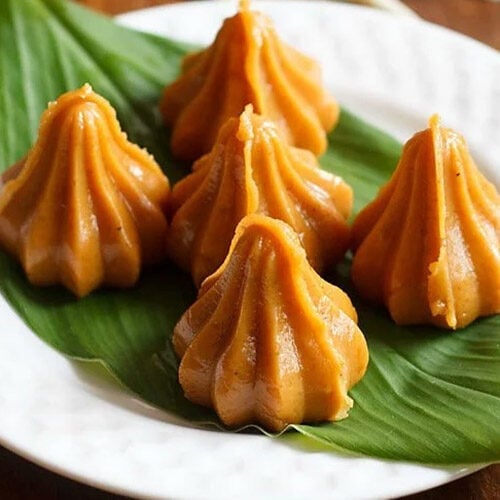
(20, 479)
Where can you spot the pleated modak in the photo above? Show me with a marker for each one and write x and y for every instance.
(268, 341)
(247, 63)
(428, 246)
(251, 169)
(85, 207)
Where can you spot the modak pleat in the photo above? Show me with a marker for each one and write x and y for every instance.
(85, 207)
(268, 341)
(251, 169)
(247, 63)
(428, 246)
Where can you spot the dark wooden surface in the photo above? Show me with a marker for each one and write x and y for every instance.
(20, 479)
(478, 19)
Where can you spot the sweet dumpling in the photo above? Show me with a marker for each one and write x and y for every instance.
(428, 246)
(252, 169)
(268, 341)
(247, 63)
(85, 207)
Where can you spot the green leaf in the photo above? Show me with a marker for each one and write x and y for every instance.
(363, 155)
(428, 396)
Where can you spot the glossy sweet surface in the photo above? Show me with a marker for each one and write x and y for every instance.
(84, 208)
(268, 341)
(252, 169)
(428, 247)
(247, 63)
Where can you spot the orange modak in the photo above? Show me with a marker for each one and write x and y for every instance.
(252, 169)
(428, 246)
(268, 341)
(247, 63)
(85, 207)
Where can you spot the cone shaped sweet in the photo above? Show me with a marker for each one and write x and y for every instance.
(268, 341)
(85, 207)
(428, 246)
(252, 169)
(247, 63)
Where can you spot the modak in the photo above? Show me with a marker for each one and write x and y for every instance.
(428, 246)
(247, 63)
(252, 169)
(268, 341)
(85, 207)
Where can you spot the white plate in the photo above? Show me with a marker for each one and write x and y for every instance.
(393, 71)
